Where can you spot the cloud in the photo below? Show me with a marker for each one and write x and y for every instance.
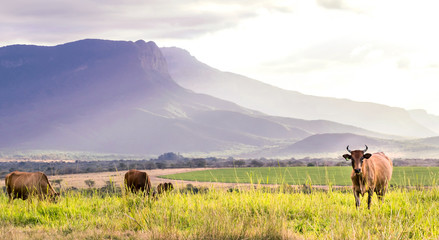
(339, 51)
(358, 6)
(331, 4)
(51, 21)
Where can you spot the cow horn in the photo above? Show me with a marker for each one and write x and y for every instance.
(348, 149)
(366, 148)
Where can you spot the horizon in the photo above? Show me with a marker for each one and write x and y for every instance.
(364, 51)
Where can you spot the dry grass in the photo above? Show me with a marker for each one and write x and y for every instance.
(100, 178)
(77, 180)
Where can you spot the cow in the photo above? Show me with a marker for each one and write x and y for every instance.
(136, 181)
(25, 184)
(370, 173)
(164, 187)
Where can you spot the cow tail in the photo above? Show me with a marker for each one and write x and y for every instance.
(148, 183)
(7, 183)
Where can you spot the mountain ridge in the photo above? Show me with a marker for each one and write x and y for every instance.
(118, 96)
(187, 71)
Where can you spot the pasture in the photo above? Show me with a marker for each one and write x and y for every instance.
(258, 212)
(219, 214)
(335, 176)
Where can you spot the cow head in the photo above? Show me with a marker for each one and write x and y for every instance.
(357, 157)
(54, 197)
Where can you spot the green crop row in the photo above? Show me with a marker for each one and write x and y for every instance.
(402, 176)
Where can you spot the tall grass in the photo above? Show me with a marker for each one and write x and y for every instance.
(218, 214)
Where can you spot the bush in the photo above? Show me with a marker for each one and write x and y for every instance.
(90, 183)
(194, 190)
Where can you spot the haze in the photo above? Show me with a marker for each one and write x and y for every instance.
(375, 51)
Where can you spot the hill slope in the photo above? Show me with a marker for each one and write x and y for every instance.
(332, 145)
(187, 71)
(117, 96)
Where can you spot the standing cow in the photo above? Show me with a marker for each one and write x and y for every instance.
(370, 173)
(137, 181)
(25, 184)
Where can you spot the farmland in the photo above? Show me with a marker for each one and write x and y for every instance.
(231, 210)
(218, 214)
(259, 212)
(402, 176)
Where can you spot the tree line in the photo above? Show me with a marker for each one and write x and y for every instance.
(164, 161)
(175, 160)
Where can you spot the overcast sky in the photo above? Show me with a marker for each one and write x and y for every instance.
(383, 51)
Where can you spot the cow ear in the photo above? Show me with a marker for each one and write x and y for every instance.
(367, 155)
(347, 157)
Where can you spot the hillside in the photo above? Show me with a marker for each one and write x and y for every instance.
(325, 143)
(334, 144)
(118, 97)
(429, 120)
(187, 71)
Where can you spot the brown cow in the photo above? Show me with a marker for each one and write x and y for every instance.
(136, 180)
(24, 184)
(164, 187)
(370, 173)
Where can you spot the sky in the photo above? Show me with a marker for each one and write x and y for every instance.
(382, 51)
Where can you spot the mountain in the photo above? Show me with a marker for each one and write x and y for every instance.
(187, 71)
(332, 145)
(433, 141)
(118, 97)
(428, 120)
(329, 143)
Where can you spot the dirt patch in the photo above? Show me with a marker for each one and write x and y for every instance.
(100, 179)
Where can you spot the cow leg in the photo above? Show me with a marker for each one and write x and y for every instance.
(357, 199)
(148, 190)
(142, 190)
(381, 194)
(369, 198)
(9, 190)
(380, 197)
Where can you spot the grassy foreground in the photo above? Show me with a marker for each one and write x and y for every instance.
(218, 214)
(402, 176)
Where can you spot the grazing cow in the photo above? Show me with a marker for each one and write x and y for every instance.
(164, 187)
(136, 180)
(25, 184)
(370, 173)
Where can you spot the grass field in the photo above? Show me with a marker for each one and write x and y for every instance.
(218, 214)
(278, 212)
(340, 176)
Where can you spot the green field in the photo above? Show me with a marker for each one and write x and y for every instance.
(217, 214)
(402, 176)
(280, 212)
